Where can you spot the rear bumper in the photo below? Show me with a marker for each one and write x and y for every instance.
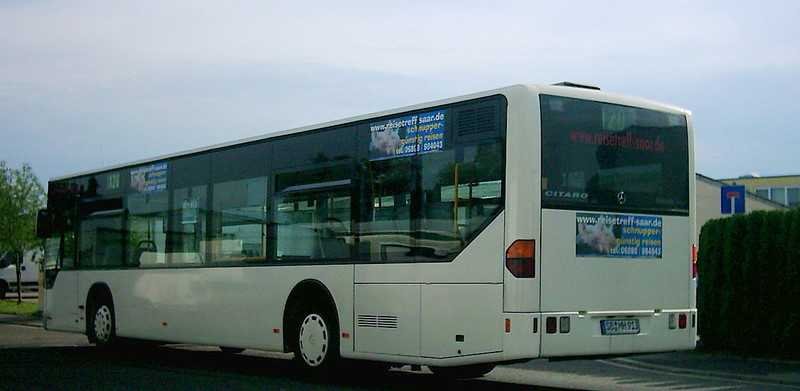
(585, 337)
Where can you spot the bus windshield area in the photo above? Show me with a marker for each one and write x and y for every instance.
(602, 156)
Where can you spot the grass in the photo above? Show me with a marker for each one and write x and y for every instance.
(10, 307)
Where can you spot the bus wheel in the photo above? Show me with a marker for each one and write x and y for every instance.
(463, 372)
(227, 350)
(103, 324)
(316, 349)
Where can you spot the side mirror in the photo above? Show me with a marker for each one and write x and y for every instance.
(44, 226)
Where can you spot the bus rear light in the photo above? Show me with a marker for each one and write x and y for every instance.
(673, 324)
(508, 325)
(682, 321)
(520, 259)
(550, 327)
(694, 261)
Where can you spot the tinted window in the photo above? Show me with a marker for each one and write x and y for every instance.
(147, 205)
(600, 156)
(413, 187)
(385, 231)
(314, 149)
(239, 220)
(433, 180)
(188, 226)
(314, 223)
(102, 242)
(147, 229)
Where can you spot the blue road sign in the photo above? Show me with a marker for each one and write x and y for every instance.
(732, 199)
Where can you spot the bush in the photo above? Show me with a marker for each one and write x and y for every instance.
(749, 288)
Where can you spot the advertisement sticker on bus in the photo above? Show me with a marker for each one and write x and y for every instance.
(618, 236)
(407, 136)
(149, 179)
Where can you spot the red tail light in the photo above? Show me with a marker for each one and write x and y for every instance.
(520, 258)
(694, 261)
(682, 321)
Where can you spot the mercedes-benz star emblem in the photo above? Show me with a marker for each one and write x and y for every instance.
(621, 197)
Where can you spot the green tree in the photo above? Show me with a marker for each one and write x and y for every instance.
(708, 283)
(21, 196)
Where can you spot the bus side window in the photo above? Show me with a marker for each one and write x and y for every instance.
(67, 252)
(314, 225)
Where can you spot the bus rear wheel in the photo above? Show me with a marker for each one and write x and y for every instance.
(464, 371)
(316, 345)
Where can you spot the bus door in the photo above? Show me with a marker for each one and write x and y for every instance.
(61, 310)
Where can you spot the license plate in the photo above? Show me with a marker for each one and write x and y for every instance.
(619, 326)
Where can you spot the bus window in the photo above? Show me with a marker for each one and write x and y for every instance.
(601, 156)
(187, 244)
(101, 240)
(147, 233)
(239, 220)
(385, 229)
(314, 224)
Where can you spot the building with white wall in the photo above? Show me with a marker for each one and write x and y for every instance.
(708, 201)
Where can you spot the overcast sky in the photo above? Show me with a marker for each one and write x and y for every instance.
(86, 84)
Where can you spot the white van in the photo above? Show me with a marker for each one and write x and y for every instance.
(8, 273)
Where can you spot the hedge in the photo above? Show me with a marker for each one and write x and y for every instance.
(748, 294)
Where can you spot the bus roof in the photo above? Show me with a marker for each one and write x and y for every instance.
(566, 91)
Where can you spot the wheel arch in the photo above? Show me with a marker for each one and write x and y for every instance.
(306, 291)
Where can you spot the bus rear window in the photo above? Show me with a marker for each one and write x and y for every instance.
(601, 156)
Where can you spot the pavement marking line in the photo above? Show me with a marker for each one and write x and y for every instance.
(726, 375)
(544, 378)
(728, 378)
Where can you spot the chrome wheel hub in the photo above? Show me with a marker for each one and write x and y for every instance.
(313, 340)
(102, 324)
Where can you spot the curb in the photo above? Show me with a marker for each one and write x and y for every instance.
(21, 321)
(716, 374)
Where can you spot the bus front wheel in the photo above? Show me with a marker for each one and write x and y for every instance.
(102, 326)
(316, 345)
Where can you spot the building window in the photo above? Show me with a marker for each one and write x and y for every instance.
(784, 195)
(793, 196)
(778, 194)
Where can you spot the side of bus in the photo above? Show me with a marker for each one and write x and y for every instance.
(429, 286)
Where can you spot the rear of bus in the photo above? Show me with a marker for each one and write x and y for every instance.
(616, 225)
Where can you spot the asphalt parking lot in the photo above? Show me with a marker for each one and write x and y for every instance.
(33, 358)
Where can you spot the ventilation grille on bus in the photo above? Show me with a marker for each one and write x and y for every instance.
(475, 120)
(379, 321)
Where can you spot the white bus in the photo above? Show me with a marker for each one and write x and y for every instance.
(519, 223)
